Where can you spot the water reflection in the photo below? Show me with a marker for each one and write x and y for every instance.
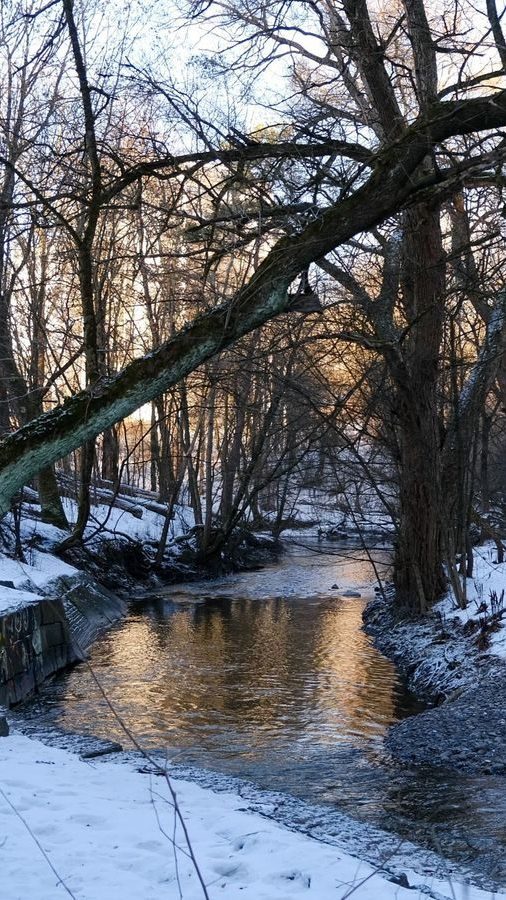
(241, 676)
(269, 676)
(270, 661)
(358, 693)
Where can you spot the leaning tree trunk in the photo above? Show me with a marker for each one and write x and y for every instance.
(393, 181)
(28, 407)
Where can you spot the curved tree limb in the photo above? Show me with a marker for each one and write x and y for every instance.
(392, 182)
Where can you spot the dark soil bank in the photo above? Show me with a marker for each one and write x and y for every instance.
(128, 566)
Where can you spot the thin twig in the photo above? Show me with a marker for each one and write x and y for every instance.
(158, 769)
(39, 845)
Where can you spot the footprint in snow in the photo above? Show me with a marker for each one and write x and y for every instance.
(83, 819)
(245, 841)
(155, 846)
(301, 878)
(231, 870)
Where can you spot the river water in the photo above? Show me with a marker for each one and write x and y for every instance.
(268, 676)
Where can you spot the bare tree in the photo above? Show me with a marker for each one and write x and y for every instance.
(380, 135)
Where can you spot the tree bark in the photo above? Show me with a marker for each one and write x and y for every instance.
(418, 569)
(110, 455)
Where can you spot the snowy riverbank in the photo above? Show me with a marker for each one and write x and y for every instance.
(102, 810)
(96, 830)
(457, 659)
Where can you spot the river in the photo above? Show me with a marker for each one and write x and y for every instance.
(268, 676)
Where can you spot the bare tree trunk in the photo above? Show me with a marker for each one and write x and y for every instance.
(208, 471)
(5, 421)
(419, 576)
(188, 444)
(110, 455)
(231, 453)
(51, 507)
(166, 478)
(486, 426)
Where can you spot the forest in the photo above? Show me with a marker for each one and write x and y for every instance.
(252, 449)
(287, 254)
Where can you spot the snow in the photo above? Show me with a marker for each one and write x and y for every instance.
(120, 523)
(12, 599)
(101, 831)
(36, 575)
(489, 579)
(98, 829)
(30, 579)
(317, 510)
(110, 522)
(451, 649)
(39, 570)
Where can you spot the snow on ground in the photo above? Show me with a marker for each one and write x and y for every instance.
(450, 649)
(318, 510)
(29, 579)
(101, 831)
(485, 613)
(34, 576)
(38, 570)
(97, 830)
(12, 599)
(110, 522)
(311, 509)
(121, 523)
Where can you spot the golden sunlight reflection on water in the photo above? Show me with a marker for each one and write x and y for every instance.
(269, 676)
(241, 674)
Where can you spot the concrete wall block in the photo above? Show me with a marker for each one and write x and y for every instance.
(42, 638)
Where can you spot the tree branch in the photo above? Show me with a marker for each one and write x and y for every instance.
(389, 187)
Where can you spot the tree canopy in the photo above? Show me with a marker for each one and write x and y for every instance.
(387, 153)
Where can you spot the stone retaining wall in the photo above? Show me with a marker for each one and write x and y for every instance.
(43, 637)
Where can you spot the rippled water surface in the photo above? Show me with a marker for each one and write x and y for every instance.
(268, 676)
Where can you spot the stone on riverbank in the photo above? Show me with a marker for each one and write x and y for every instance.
(466, 729)
(466, 733)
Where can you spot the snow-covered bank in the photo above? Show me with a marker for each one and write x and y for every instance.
(483, 620)
(101, 831)
(449, 649)
(50, 614)
(323, 513)
(457, 659)
(26, 582)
